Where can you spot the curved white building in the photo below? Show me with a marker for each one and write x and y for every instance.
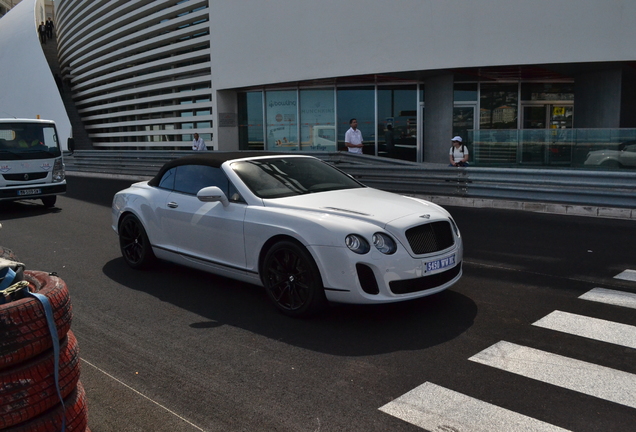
(28, 89)
(513, 78)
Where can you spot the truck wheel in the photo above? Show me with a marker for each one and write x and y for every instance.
(49, 201)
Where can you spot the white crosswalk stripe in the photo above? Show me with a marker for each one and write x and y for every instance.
(629, 275)
(436, 408)
(613, 297)
(591, 328)
(594, 380)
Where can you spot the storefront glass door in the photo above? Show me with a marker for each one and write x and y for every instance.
(544, 139)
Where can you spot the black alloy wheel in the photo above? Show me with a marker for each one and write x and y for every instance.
(134, 244)
(292, 280)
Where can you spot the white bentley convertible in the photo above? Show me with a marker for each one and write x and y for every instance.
(296, 225)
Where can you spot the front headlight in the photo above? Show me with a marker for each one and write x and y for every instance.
(384, 243)
(58, 171)
(357, 244)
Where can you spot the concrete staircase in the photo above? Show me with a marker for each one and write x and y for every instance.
(82, 140)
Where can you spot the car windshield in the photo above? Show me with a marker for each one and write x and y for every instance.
(284, 177)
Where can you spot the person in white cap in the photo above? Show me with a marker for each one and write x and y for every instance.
(458, 154)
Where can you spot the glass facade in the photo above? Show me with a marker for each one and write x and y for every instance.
(358, 103)
(317, 120)
(506, 123)
(397, 122)
(281, 120)
(250, 115)
(498, 106)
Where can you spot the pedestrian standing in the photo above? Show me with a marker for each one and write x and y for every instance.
(353, 138)
(42, 32)
(198, 144)
(49, 28)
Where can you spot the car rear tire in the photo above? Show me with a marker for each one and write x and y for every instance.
(49, 201)
(134, 244)
(292, 280)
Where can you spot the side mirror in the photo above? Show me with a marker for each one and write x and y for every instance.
(70, 144)
(212, 194)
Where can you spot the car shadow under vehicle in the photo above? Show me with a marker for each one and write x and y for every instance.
(343, 330)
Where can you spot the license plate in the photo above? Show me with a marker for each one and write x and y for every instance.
(440, 264)
(29, 192)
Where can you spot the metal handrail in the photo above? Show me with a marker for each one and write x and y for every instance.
(565, 186)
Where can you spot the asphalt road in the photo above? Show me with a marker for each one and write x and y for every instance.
(178, 350)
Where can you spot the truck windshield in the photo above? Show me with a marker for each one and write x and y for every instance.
(28, 141)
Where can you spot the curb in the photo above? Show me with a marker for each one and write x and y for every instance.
(537, 207)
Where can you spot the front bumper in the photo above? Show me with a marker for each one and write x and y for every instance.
(378, 278)
(31, 191)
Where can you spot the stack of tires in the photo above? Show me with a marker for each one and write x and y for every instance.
(29, 393)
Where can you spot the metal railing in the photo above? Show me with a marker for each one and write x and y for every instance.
(565, 186)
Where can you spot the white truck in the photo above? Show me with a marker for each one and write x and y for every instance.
(31, 165)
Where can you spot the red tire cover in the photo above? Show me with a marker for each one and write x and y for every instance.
(28, 389)
(76, 413)
(24, 332)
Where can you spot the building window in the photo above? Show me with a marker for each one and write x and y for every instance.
(281, 120)
(547, 91)
(358, 103)
(250, 113)
(465, 92)
(498, 106)
(317, 120)
(397, 108)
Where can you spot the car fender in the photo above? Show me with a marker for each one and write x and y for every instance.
(307, 227)
(137, 200)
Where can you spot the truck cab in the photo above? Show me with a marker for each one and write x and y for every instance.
(31, 163)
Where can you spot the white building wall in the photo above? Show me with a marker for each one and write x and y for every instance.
(28, 88)
(257, 42)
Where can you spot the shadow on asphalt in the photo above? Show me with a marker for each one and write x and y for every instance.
(342, 330)
(24, 209)
(95, 190)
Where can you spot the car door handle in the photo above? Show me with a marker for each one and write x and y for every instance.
(173, 204)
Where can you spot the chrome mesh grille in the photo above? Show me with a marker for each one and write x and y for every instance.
(430, 237)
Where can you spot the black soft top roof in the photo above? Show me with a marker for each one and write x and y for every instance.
(213, 159)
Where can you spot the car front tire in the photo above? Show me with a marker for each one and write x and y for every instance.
(292, 280)
(134, 244)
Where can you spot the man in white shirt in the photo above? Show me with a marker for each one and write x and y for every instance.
(198, 144)
(353, 138)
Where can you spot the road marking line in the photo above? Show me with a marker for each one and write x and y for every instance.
(629, 275)
(591, 328)
(436, 408)
(613, 297)
(587, 378)
(142, 395)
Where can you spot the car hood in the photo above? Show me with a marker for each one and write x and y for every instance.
(372, 205)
